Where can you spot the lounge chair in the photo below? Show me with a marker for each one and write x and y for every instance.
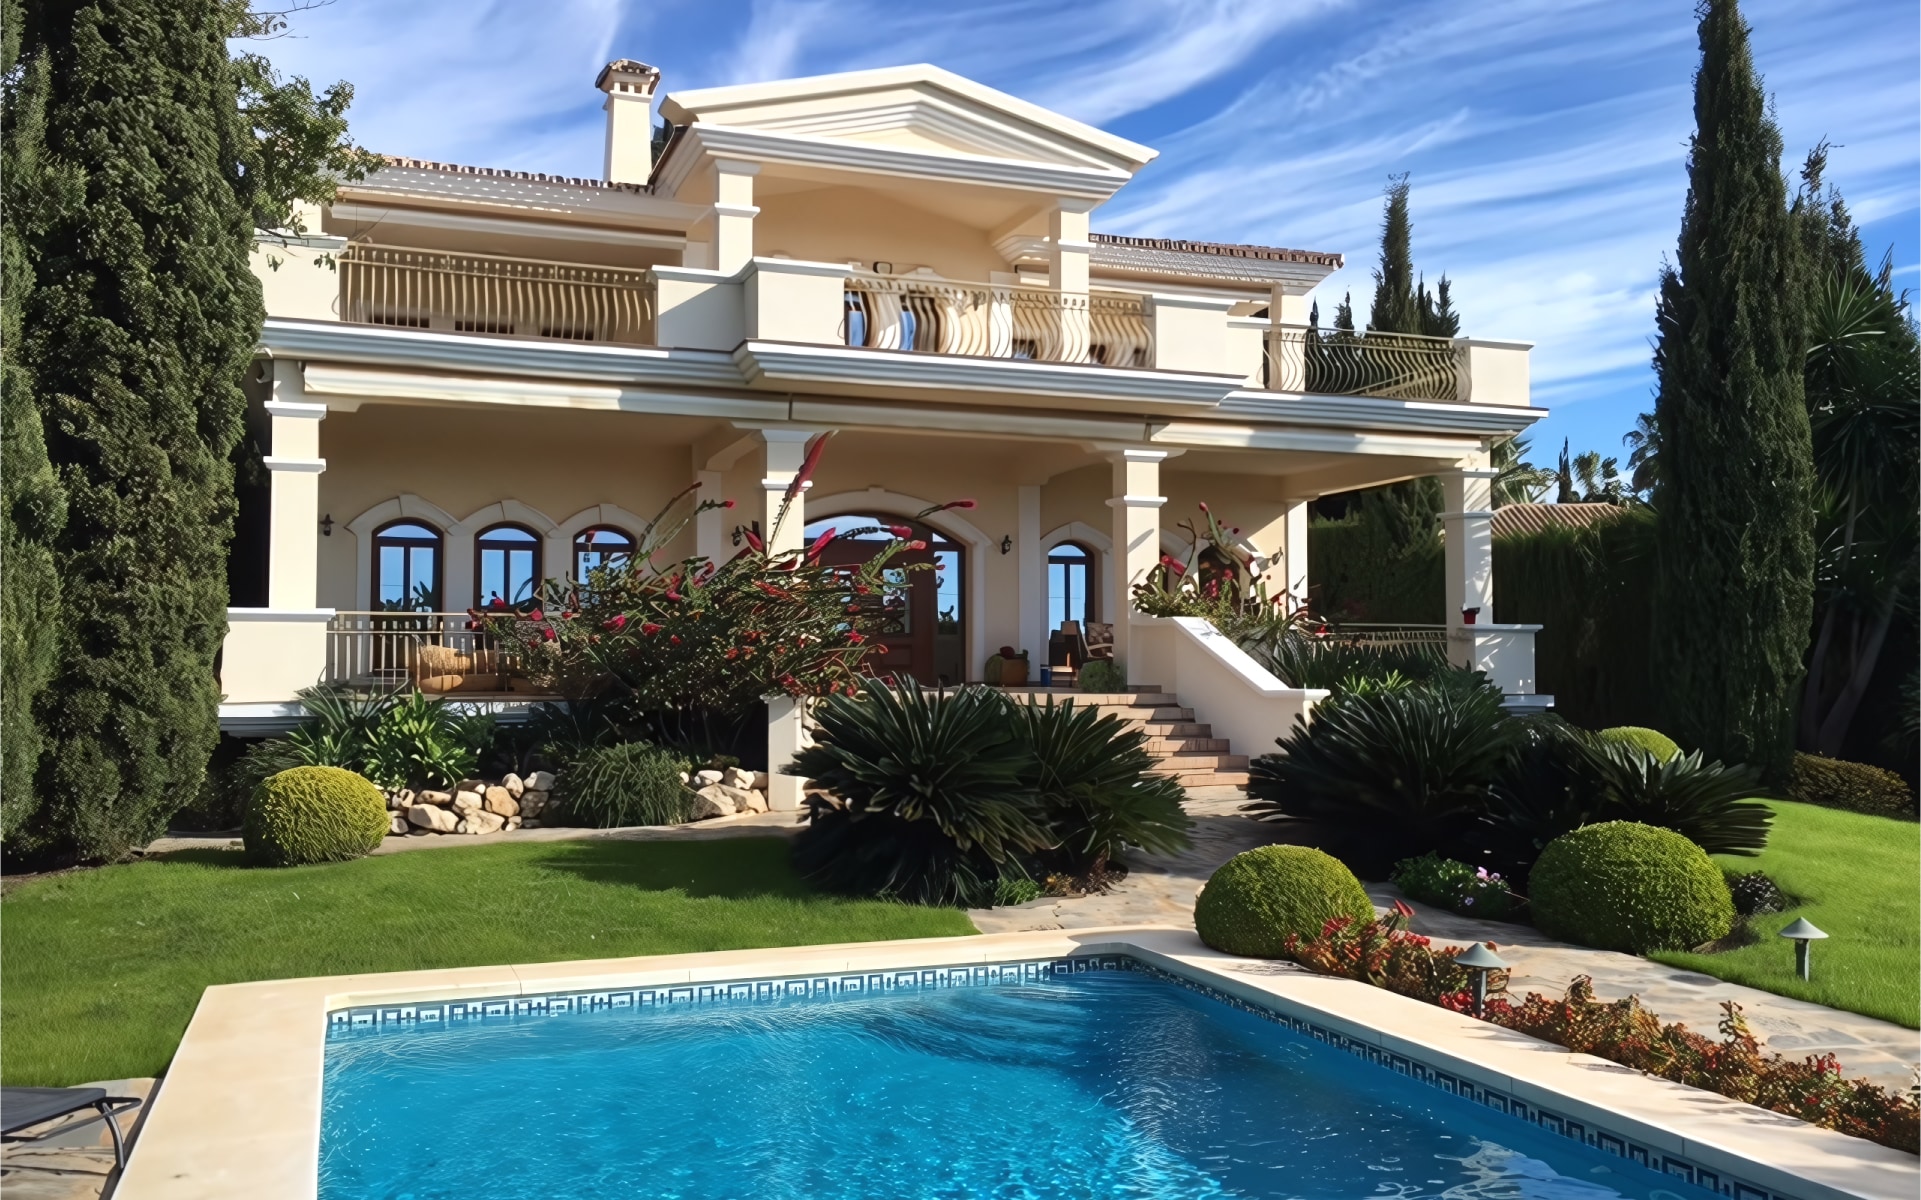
(25, 1107)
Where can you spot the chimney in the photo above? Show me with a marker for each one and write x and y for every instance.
(630, 127)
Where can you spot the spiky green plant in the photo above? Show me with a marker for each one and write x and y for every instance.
(633, 783)
(1714, 806)
(1091, 772)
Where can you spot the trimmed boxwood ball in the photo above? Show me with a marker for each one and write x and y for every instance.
(1260, 896)
(314, 814)
(1659, 744)
(1626, 886)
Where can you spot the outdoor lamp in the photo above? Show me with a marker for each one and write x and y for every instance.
(327, 525)
(1480, 960)
(1007, 544)
(1802, 933)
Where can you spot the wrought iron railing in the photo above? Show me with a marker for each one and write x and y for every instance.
(997, 321)
(1398, 637)
(1395, 366)
(491, 293)
(435, 652)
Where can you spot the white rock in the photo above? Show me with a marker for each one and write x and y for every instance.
(734, 777)
(441, 798)
(683, 777)
(466, 800)
(708, 778)
(514, 785)
(471, 785)
(513, 822)
(397, 825)
(482, 822)
(760, 781)
(713, 801)
(499, 800)
(751, 801)
(540, 781)
(432, 817)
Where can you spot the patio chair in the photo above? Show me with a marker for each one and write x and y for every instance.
(1100, 639)
(25, 1107)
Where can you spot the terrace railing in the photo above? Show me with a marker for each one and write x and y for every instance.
(491, 293)
(997, 321)
(1395, 366)
(1421, 638)
(435, 652)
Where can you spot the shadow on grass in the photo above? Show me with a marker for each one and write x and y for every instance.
(733, 868)
(208, 856)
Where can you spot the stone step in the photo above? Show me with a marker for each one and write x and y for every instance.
(1186, 745)
(1199, 762)
(1237, 779)
(1135, 698)
(1176, 729)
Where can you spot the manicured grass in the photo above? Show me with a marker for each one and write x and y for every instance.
(103, 968)
(1859, 878)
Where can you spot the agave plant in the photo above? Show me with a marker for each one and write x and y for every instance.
(1091, 773)
(929, 794)
(1714, 806)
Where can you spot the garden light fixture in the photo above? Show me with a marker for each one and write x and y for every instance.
(1480, 960)
(1007, 544)
(1802, 933)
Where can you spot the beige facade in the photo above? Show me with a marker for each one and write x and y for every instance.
(901, 256)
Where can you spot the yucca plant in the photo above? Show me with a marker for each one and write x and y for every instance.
(633, 783)
(1091, 773)
(929, 794)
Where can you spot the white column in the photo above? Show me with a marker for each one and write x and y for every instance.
(1033, 579)
(1286, 347)
(786, 736)
(1468, 523)
(1294, 554)
(1068, 251)
(293, 553)
(784, 450)
(734, 214)
(1137, 533)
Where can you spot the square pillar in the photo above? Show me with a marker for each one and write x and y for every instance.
(1069, 248)
(786, 736)
(1137, 534)
(1468, 523)
(1294, 575)
(293, 549)
(784, 451)
(734, 214)
(1286, 341)
(1033, 578)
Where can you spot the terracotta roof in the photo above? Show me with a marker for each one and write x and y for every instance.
(1532, 518)
(1222, 250)
(422, 164)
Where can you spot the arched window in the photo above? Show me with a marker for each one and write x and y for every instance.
(1070, 584)
(926, 636)
(601, 546)
(506, 566)
(406, 568)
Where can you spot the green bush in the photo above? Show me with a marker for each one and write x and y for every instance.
(1015, 889)
(1659, 744)
(1712, 805)
(1258, 897)
(1391, 772)
(314, 814)
(1308, 660)
(1453, 885)
(1625, 886)
(632, 783)
(1102, 675)
(420, 742)
(1090, 772)
(1850, 786)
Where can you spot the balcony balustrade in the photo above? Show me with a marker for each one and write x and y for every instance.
(1393, 366)
(491, 293)
(435, 652)
(997, 321)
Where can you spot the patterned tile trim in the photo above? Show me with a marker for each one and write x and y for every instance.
(376, 1019)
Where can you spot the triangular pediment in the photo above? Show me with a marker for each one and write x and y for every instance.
(922, 108)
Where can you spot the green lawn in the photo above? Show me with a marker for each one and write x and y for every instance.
(1859, 880)
(103, 968)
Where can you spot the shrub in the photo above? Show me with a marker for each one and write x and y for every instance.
(632, 783)
(1709, 804)
(1260, 898)
(1659, 744)
(1394, 772)
(314, 814)
(1102, 675)
(1090, 772)
(1753, 892)
(1542, 792)
(929, 794)
(1624, 886)
(1010, 890)
(1453, 885)
(421, 742)
(1316, 660)
(1853, 787)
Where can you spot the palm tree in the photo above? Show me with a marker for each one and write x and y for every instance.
(1644, 455)
(1519, 481)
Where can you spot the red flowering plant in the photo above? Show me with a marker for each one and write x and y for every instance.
(1221, 581)
(1384, 953)
(688, 634)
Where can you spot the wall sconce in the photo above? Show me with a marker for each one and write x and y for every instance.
(327, 525)
(1007, 544)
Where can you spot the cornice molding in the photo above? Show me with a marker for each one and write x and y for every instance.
(337, 341)
(1368, 412)
(528, 227)
(795, 362)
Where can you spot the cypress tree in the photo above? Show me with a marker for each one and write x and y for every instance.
(144, 316)
(1396, 307)
(32, 504)
(1734, 578)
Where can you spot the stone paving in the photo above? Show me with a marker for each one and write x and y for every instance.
(1160, 891)
(71, 1159)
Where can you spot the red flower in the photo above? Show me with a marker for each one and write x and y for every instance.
(1203, 506)
(497, 604)
(547, 633)
(473, 624)
(916, 544)
(901, 531)
(852, 608)
(753, 539)
(727, 504)
(855, 639)
(675, 639)
(820, 543)
(752, 635)
(1173, 564)
(649, 629)
(733, 652)
(880, 648)
(674, 595)
(616, 623)
(536, 615)
(567, 616)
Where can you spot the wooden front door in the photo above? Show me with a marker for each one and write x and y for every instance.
(907, 626)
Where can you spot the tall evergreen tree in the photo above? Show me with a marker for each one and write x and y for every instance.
(32, 503)
(1735, 546)
(1436, 308)
(144, 316)
(1396, 307)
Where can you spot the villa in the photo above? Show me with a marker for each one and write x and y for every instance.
(474, 379)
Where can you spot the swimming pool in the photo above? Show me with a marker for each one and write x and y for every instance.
(1118, 1082)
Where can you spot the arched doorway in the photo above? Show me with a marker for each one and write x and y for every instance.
(926, 637)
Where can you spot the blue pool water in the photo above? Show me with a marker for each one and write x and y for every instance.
(1112, 1083)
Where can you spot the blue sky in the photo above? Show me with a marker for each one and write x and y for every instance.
(1545, 138)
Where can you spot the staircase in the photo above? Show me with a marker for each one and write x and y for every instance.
(1183, 749)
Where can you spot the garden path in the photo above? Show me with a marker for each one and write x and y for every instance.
(1160, 889)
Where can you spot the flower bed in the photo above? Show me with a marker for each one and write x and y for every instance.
(1382, 952)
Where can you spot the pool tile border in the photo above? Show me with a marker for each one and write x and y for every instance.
(358, 1020)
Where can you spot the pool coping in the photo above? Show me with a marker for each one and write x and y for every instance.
(238, 1112)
